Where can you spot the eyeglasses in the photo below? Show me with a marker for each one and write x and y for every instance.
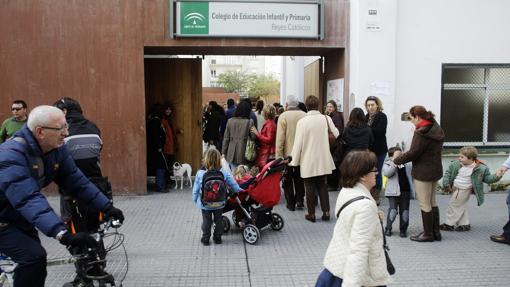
(16, 109)
(63, 127)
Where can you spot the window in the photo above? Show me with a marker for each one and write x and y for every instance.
(475, 104)
(213, 62)
(213, 73)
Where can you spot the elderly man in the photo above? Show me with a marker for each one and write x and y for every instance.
(14, 123)
(293, 185)
(32, 159)
(311, 153)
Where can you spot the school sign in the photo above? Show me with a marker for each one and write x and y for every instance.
(248, 19)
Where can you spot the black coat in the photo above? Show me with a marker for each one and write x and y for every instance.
(378, 127)
(357, 138)
(155, 144)
(212, 126)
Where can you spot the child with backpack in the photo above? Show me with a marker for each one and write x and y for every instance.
(398, 191)
(464, 177)
(210, 194)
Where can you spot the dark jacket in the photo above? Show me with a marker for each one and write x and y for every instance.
(155, 144)
(338, 120)
(21, 200)
(212, 126)
(357, 138)
(425, 153)
(85, 144)
(378, 127)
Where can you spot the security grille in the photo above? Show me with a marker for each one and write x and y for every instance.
(475, 104)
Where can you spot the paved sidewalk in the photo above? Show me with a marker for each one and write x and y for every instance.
(163, 231)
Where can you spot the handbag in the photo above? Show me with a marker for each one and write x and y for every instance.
(250, 153)
(389, 265)
(331, 136)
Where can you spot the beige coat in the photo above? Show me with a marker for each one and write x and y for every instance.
(311, 145)
(355, 252)
(286, 131)
(234, 140)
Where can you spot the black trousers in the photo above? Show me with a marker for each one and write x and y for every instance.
(399, 205)
(293, 186)
(24, 247)
(316, 186)
(207, 220)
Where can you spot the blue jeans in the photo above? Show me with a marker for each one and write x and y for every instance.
(327, 279)
(378, 177)
(25, 249)
(160, 180)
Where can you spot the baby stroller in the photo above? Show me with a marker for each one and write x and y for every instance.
(253, 207)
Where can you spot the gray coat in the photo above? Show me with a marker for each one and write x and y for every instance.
(234, 140)
(389, 170)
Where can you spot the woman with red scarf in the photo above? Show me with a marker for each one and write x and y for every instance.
(425, 154)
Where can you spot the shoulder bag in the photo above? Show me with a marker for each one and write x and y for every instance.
(250, 153)
(331, 136)
(389, 265)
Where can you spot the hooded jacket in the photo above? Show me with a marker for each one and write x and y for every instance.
(425, 153)
(21, 201)
(84, 143)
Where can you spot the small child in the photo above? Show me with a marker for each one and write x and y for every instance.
(211, 162)
(398, 191)
(464, 177)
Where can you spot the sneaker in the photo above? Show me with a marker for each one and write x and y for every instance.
(217, 240)
(446, 227)
(205, 242)
(300, 205)
(500, 239)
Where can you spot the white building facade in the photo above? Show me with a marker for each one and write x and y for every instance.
(451, 56)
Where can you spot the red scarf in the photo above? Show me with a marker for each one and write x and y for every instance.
(423, 123)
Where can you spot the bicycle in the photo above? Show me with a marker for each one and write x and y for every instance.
(90, 264)
(7, 267)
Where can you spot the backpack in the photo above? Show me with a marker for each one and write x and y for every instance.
(214, 189)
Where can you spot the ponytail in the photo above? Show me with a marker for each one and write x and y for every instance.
(421, 112)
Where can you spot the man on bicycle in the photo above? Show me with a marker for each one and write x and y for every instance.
(85, 144)
(29, 161)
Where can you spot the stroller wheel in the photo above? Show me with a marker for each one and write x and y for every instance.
(226, 224)
(251, 234)
(276, 221)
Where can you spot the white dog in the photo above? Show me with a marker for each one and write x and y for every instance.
(179, 171)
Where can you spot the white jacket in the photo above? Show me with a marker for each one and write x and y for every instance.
(311, 145)
(355, 252)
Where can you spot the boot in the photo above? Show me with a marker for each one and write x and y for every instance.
(435, 223)
(427, 234)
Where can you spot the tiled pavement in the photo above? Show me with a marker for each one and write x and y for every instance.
(162, 240)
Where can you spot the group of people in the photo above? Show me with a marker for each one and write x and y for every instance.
(356, 253)
(162, 145)
(53, 144)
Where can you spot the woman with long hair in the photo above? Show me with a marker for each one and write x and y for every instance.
(236, 134)
(357, 134)
(425, 154)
